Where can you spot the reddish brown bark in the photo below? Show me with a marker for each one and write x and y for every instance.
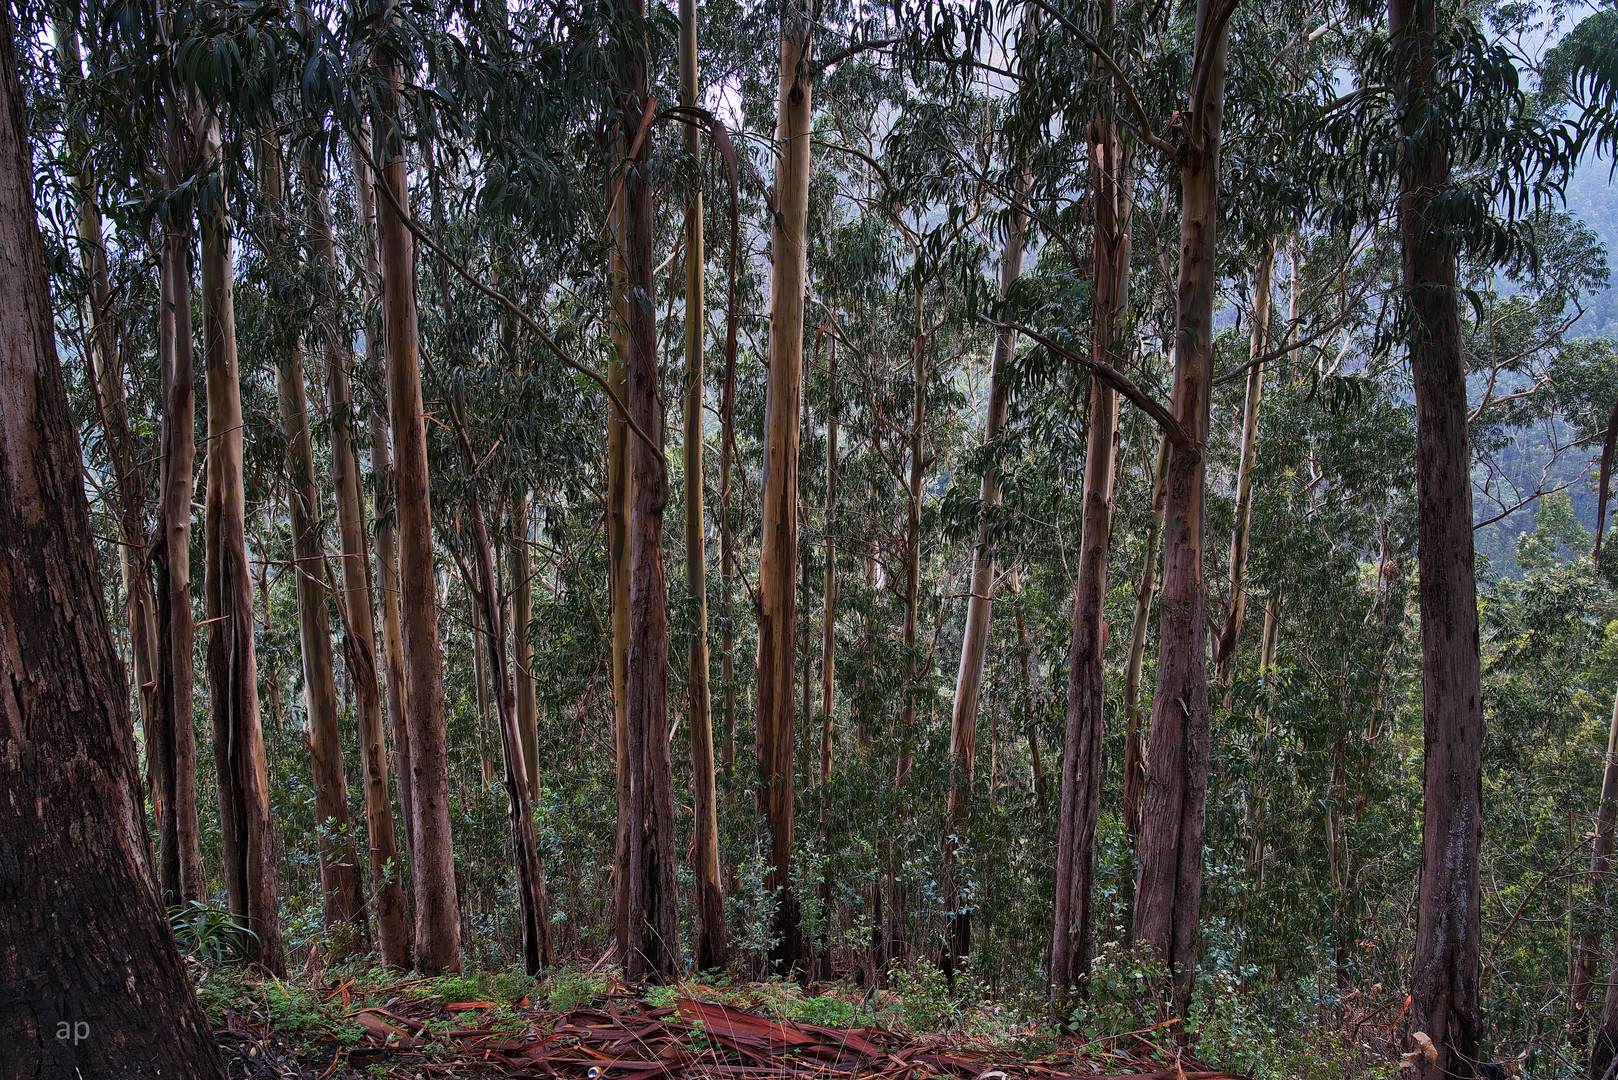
(384, 541)
(1168, 894)
(1444, 971)
(438, 921)
(247, 829)
(1080, 807)
(651, 947)
(778, 557)
(86, 941)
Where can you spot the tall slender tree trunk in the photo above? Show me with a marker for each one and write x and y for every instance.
(828, 591)
(107, 385)
(979, 606)
(1444, 972)
(727, 553)
(522, 604)
(532, 904)
(339, 863)
(1168, 895)
(1145, 589)
(709, 907)
(359, 620)
(438, 922)
(652, 948)
(619, 485)
(1225, 651)
(87, 943)
(897, 944)
(1080, 807)
(384, 539)
(175, 753)
(1587, 961)
(778, 556)
(247, 829)
(1025, 661)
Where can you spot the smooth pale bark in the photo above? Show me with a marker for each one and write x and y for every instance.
(708, 909)
(1225, 651)
(533, 906)
(1444, 970)
(896, 944)
(652, 947)
(1168, 894)
(727, 552)
(86, 939)
(438, 922)
(384, 541)
(1079, 810)
(247, 829)
(358, 617)
(828, 588)
(174, 756)
(778, 555)
(339, 862)
(979, 606)
(619, 485)
(522, 609)
(1145, 589)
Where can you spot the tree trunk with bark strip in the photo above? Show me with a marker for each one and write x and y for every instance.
(1168, 894)
(87, 941)
(247, 829)
(1080, 808)
(778, 557)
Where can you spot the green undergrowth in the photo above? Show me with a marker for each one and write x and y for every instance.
(312, 1016)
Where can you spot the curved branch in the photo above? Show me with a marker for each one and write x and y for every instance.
(1120, 382)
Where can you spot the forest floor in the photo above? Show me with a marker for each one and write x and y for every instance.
(347, 1022)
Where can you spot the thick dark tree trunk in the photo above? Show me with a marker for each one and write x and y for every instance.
(1168, 894)
(652, 946)
(91, 985)
(1444, 972)
(1080, 806)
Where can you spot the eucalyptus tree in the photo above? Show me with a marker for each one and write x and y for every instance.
(87, 939)
(709, 906)
(438, 923)
(339, 864)
(778, 557)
